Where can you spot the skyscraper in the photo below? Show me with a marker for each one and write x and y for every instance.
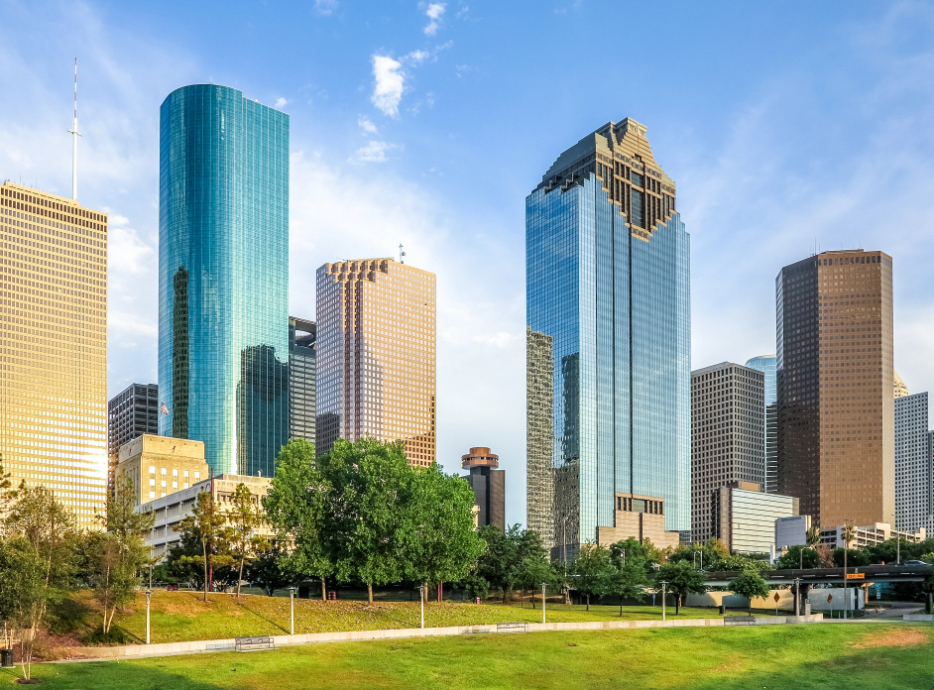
(53, 347)
(302, 376)
(728, 440)
(489, 486)
(608, 275)
(223, 276)
(914, 465)
(766, 364)
(130, 414)
(376, 355)
(836, 416)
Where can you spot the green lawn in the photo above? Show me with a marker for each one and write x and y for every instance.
(792, 657)
(183, 616)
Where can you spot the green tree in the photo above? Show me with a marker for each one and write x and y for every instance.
(740, 561)
(682, 578)
(797, 556)
(506, 554)
(750, 584)
(592, 570)
(534, 568)
(628, 578)
(7, 493)
(266, 572)
(244, 518)
(713, 551)
(440, 541)
(117, 555)
(207, 525)
(298, 505)
(23, 595)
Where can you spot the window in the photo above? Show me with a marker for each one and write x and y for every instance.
(638, 211)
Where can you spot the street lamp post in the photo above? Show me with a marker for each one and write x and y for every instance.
(421, 598)
(797, 582)
(543, 603)
(148, 597)
(663, 583)
(292, 610)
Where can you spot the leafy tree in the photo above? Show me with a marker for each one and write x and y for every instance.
(206, 525)
(713, 551)
(118, 554)
(266, 572)
(825, 557)
(644, 551)
(7, 493)
(797, 556)
(298, 504)
(507, 559)
(813, 536)
(627, 579)
(23, 595)
(592, 571)
(440, 541)
(750, 584)
(740, 561)
(245, 518)
(682, 578)
(534, 568)
(182, 563)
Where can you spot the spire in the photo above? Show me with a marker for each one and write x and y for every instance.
(74, 149)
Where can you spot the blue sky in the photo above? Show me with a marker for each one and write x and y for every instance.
(786, 126)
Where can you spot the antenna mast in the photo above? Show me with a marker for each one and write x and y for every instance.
(401, 254)
(74, 148)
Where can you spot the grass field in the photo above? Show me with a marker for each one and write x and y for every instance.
(790, 657)
(183, 616)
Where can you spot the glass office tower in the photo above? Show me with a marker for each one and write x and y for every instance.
(608, 287)
(767, 365)
(223, 276)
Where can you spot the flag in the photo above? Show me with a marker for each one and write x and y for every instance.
(164, 409)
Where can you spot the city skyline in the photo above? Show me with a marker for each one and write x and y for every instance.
(736, 164)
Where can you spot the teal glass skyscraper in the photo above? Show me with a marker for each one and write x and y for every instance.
(767, 365)
(223, 276)
(609, 328)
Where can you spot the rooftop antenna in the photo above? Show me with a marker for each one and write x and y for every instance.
(401, 254)
(74, 147)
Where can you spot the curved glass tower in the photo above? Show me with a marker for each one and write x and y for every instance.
(767, 365)
(223, 276)
(609, 332)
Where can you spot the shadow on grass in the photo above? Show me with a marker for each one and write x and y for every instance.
(261, 616)
(120, 676)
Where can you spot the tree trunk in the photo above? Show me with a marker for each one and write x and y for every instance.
(369, 589)
(204, 550)
(677, 603)
(620, 605)
(324, 589)
(588, 602)
(240, 574)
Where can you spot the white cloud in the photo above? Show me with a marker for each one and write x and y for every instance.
(325, 7)
(389, 84)
(499, 340)
(366, 125)
(281, 103)
(434, 13)
(417, 56)
(374, 152)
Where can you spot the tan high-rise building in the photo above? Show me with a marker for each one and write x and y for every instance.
(53, 347)
(376, 355)
(836, 425)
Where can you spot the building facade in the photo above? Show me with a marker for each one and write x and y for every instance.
(914, 465)
(745, 517)
(130, 414)
(376, 355)
(727, 439)
(160, 465)
(767, 365)
(53, 348)
(302, 377)
(608, 275)
(540, 440)
(489, 486)
(836, 409)
(870, 535)
(223, 276)
(791, 531)
(640, 518)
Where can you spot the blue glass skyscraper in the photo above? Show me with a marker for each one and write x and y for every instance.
(767, 365)
(608, 297)
(223, 276)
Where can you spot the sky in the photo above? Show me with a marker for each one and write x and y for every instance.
(788, 128)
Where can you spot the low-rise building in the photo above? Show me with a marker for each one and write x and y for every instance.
(871, 534)
(640, 517)
(160, 465)
(791, 531)
(744, 516)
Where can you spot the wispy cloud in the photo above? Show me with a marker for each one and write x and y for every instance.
(434, 13)
(374, 152)
(281, 103)
(366, 125)
(325, 7)
(389, 82)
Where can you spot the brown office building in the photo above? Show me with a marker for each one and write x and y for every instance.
(836, 425)
(130, 414)
(53, 347)
(727, 438)
(489, 486)
(376, 355)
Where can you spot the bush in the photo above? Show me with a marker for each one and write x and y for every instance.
(116, 635)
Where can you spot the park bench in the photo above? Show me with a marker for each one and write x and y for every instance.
(251, 644)
(739, 620)
(514, 627)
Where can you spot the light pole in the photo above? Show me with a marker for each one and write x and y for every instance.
(694, 559)
(663, 583)
(421, 599)
(292, 610)
(797, 582)
(148, 596)
(543, 603)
